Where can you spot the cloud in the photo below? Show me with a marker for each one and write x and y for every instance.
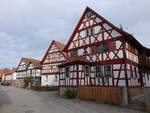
(27, 27)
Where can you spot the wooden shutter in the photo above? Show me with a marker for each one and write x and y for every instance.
(112, 45)
(93, 49)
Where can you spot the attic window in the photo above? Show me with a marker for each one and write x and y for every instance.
(90, 31)
(89, 14)
(74, 53)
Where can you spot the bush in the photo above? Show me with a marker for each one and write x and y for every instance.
(70, 93)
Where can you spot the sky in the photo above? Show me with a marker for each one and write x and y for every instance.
(27, 27)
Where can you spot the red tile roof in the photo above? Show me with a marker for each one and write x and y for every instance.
(61, 46)
(1, 73)
(35, 62)
(6, 71)
(9, 71)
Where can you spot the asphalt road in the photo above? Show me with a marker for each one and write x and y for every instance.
(16, 100)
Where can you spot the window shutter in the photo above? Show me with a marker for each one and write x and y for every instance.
(112, 45)
(93, 49)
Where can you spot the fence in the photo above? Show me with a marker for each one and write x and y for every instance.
(106, 94)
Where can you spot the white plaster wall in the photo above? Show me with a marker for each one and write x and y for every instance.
(118, 44)
(122, 83)
(97, 29)
(82, 33)
(114, 33)
(14, 76)
(49, 80)
(8, 77)
(120, 54)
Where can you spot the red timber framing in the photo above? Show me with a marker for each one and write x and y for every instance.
(112, 55)
(53, 57)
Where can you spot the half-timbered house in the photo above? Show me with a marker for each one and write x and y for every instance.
(101, 54)
(9, 77)
(34, 71)
(53, 57)
(28, 68)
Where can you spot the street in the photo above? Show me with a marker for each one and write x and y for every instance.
(16, 100)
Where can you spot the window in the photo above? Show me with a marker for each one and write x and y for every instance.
(107, 71)
(105, 47)
(112, 45)
(74, 53)
(67, 71)
(131, 72)
(86, 70)
(89, 31)
(147, 76)
(56, 78)
(99, 71)
(99, 49)
(135, 72)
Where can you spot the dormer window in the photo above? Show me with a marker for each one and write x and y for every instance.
(89, 32)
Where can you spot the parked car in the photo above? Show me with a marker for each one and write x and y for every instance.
(2, 83)
(5, 84)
